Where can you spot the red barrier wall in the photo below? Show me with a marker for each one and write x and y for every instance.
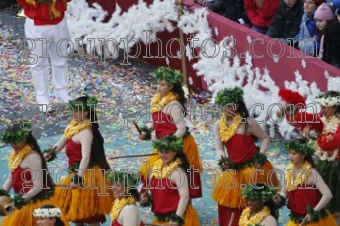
(290, 60)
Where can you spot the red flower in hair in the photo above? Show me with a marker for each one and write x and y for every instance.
(292, 97)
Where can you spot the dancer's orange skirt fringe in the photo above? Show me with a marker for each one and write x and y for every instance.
(93, 199)
(328, 221)
(229, 186)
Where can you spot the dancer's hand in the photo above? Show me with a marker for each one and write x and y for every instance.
(142, 136)
(306, 131)
(143, 198)
(47, 156)
(306, 219)
(277, 199)
(225, 165)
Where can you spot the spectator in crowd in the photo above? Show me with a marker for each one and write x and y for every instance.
(327, 34)
(305, 39)
(231, 9)
(286, 21)
(261, 13)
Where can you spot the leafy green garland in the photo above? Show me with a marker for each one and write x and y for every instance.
(259, 158)
(174, 143)
(3, 192)
(20, 202)
(229, 96)
(77, 106)
(147, 131)
(305, 149)
(53, 155)
(315, 215)
(149, 202)
(265, 195)
(170, 217)
(171, 76)
(24, 132)
(76, 165)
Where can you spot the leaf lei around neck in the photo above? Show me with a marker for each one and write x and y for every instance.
(228, 131)
(16, 157)
(158, 103)
(300, 179)
(75, 128)
(165, 170)
(119, 204)
(246, 219)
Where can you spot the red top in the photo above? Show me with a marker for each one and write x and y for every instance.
(165, 196)
(21, 180)
(300, 198)
(330, 141)
(261, 17)
(240, 148)
(73, 152)
(163, 124)
(42, 14)
(115, 223)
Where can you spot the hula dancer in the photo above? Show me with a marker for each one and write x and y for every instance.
(169, 185)
(236, 132)
(124, 211)
(84, 192)
(305, 189)
(261, 208)
(327, 145)
(48, 215)
(29, 178)
(168, 115)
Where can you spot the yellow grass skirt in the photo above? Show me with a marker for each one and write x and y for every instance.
(190, 150)
(229, 186)
(24, 216)
(190, 217)
(328, 221)
(82, 203)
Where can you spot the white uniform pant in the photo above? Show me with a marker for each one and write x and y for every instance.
(57, 50)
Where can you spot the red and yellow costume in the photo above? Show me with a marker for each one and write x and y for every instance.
(89, 203)
(228, 190)
(306, 189)
(166, 198)
(164, 124)
(24, 216)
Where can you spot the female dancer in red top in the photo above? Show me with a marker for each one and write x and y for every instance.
(124, 211)
(29, 178)
(48, 215)
(169, 185)
(168, 115)
(236, 132)
(305, 189)
(85, 193)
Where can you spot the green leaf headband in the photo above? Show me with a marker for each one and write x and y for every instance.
(169, 143)
(229, 96)
(264, 193)
(296, 145)
(15, 137)
(327, 100)
(171, 76)
(125, 178)
(90, 101)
